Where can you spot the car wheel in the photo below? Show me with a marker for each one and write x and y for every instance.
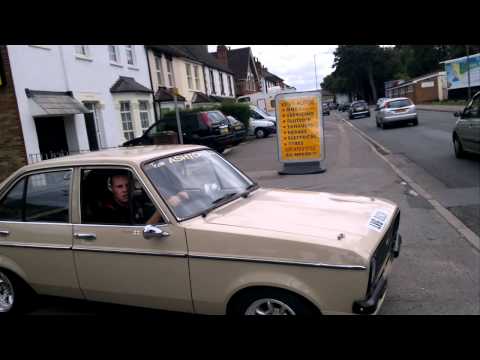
(260, 133)
(14, 294)
(378, 125)
(457, 146)
(272, 302)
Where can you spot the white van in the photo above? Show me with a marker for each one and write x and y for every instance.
(264, 101)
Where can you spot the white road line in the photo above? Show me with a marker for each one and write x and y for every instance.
(472, 238)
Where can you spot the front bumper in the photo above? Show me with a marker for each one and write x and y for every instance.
(371, 305)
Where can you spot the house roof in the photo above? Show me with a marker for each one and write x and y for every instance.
(199, 97)
(193, 52)
(238, 60)
(273, 77)
(128, 84)
(55, 103)
(165, 95)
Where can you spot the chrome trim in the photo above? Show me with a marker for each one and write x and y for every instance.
(4, 232)
(34, 223)
(119, 226)
(35, 245)
(128, 251)
(278, 262)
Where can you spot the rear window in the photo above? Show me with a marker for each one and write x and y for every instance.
(398, 104)
(216, 116)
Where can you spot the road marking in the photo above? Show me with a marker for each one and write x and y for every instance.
(472, 238)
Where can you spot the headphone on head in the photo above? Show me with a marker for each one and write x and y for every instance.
(109, 184)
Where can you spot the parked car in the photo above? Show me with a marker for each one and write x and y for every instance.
(394, 111)
(262, 128)
(209, 128)
(358, 108)
(238, 129)
(325, 109)
(197, 236)
(466, 133)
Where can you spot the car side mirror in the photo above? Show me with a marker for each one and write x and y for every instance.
(151, 232)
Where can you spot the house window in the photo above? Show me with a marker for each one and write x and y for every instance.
(222, 87)
(230, 85)
(113, 54)
(144, 114)
(171, 82)
(130, 50)
(212, 81)
(82, 50)
(189, 76)
(197, 78)
(127, 124)
(159, 70)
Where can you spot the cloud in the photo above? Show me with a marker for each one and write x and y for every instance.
(294, 63)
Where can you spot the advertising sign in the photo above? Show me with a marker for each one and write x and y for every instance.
(300, 127)
(457, 72)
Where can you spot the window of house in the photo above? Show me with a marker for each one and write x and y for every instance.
(144, 114)
(197, 78)
(113, 53)
(171, 80)
(230, 87)
(159, 70)
(222, 87)
(189, 76)
(82, 50)
(130, 50)
(11, 206)
(126, 116)
(212, 81)
(47, 197)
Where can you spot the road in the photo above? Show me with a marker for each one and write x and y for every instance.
(426, 153)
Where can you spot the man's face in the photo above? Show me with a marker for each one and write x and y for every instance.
(120, 188)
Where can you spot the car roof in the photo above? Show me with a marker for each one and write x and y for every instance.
(117, 156)
(398, 98)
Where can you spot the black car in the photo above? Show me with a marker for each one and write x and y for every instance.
(238, 129)
(344, 107)
(325, 109)
(209, 128)
(358, 109)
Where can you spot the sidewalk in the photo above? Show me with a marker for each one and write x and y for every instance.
(446, 108)
(437, 271)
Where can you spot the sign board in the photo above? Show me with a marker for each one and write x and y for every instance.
(300, 129)
(427, 84)
(457, 72)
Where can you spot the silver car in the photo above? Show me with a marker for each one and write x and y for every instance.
(394, 111)
(466, 133)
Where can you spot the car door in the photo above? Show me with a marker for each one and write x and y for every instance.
(469, 125)
(36, 232)
(115, 262)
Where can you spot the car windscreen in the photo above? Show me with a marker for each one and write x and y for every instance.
(261, 112)
(193, 182)
(398, 103)
(217, 117)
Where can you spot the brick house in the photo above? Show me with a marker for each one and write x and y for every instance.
(267, 79)
(423, 89)
(242, 63)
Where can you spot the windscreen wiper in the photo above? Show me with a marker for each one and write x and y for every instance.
(249, 189)
(218, 201)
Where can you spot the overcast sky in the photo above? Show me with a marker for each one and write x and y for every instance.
(293, 63)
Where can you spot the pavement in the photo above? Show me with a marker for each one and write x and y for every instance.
(437, 271)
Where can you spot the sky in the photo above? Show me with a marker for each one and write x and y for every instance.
(293, 63)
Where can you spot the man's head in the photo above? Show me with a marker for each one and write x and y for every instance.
(119, 187)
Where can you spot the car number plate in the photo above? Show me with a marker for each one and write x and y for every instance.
(224, 131)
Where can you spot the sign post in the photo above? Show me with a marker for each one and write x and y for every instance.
(300, 138)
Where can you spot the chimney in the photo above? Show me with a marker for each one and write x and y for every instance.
(222, 54)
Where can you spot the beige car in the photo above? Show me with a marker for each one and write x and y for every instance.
(178, 227)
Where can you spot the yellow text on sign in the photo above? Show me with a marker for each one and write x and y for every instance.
(299, 128)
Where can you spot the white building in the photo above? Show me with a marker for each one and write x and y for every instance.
(74, 98)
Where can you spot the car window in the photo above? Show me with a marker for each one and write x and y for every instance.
(255, 115)
(115, 196)
(399, 103)
(11, 206)
(216, 116)
(473, 108)
(47, 197)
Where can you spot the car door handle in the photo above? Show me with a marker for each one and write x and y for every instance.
(4, 232)
(82, 236)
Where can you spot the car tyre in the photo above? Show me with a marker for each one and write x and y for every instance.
(270, 301)
(15, 295)
(260, 133)
(458, 148)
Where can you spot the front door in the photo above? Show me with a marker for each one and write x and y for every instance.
(52, 139)
(115, 262)
(91, 131)
(469, 126)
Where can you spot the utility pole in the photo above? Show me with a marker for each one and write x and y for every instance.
(468, 71)
(315, 62)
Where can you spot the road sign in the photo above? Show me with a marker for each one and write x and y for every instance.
(300, 141)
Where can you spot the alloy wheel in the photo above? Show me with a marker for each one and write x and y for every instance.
(7, 294)
(269, 306)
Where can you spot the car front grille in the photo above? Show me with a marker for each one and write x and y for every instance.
(384, 250)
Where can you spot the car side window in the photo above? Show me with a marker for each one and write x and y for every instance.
(255, 115)
(115, 196)
(11, 206)
(48, 197)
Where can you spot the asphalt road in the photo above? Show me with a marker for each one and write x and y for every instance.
(426, 153)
